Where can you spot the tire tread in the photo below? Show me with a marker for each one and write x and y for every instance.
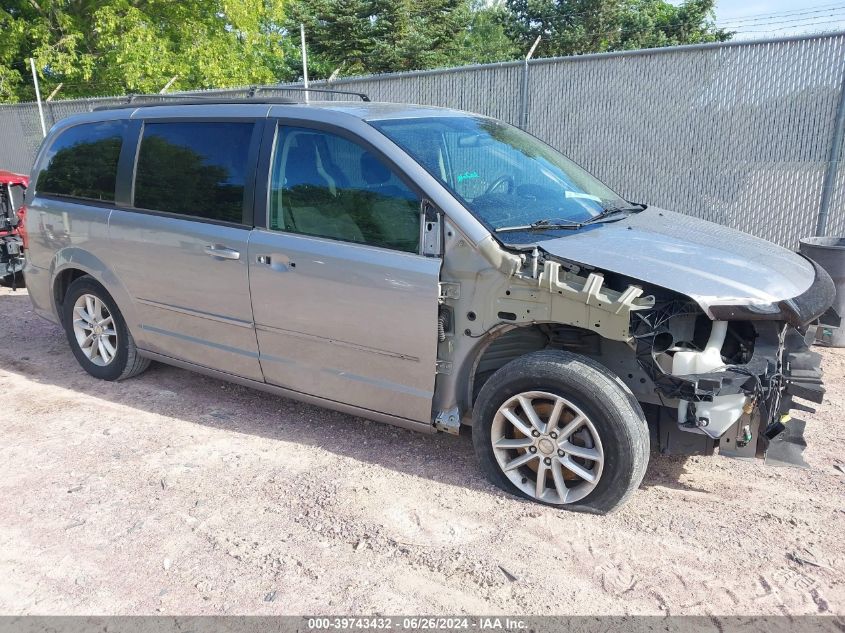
(135, 363)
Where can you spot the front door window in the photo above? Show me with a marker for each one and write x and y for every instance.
(327, 186)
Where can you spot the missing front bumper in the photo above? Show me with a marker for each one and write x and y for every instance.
(781, 370)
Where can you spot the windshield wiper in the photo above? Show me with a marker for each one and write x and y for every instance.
(540, 225)
(611, 211)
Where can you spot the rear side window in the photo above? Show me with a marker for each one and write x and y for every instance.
(194, 168)
(82, 162)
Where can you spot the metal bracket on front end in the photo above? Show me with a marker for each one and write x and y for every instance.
(448, 421)
(450, 290)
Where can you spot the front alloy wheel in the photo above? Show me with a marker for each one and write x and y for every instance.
(562, 430)
(547, 447)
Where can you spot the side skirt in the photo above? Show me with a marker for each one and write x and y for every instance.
(404, 423)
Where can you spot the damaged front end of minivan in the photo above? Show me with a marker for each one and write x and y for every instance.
(731, 377)
(709, 370)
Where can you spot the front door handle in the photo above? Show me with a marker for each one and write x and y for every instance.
(223, 252)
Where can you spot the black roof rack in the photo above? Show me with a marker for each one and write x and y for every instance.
(361, 95)
(200, 99)
(190, 100)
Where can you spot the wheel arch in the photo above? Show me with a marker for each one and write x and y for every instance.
(71, 263)
(502, 345)
(499, 347)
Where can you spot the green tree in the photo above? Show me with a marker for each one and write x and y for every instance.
(485, 39)
(571, 27)
(374, 36)
(654, 23)
(119, 46)
(339, 34)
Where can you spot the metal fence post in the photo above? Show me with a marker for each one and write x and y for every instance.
(523, 97)
(523, 101)
(833, 162)
(38, 96)
(304, 61)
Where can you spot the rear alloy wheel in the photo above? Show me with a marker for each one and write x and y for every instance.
(562, 430)
(93, 326)
(97, 333)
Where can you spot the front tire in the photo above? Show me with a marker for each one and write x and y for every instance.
(97, 332)
(562, 430)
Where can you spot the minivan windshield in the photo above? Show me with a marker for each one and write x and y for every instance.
(507, 178)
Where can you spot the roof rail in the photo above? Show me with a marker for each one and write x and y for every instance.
(185, 96)
(170, 100)
(193, 98)
(255, 89)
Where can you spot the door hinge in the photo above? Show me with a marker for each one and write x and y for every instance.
(444, 367)
(448, 421)
(450, 290)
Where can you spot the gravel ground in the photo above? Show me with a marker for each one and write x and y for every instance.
(174, 493)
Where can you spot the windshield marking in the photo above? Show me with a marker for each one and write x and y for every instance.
(581, 194)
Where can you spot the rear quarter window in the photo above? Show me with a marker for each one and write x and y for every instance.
(82, 162)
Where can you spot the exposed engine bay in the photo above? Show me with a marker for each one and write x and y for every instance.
(730, 382)
(730, 378)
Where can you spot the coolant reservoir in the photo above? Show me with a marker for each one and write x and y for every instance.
(714, 418)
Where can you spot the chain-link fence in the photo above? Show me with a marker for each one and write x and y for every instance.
(736, 133)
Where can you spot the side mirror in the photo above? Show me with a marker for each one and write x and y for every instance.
(432, 230)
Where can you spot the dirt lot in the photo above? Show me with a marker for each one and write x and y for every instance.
(174, 493)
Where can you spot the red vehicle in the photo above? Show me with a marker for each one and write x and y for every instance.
(12, 238)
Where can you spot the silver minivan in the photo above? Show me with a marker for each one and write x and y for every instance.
(424, 267)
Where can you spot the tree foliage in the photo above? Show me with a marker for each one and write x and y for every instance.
(573, 27)
(107, 47)
(485, 40)
(100, 47)
(374, 36)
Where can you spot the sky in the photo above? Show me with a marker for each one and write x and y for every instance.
(774, 18)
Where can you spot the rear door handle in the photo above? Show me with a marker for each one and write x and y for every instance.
(223, 252)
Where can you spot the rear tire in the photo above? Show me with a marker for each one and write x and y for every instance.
(562, 430)
(97, 332)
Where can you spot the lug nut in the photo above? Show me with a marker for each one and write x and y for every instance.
(548, 461)
(553, 435)
(560, 453)
(533, 449)
(535, 433)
